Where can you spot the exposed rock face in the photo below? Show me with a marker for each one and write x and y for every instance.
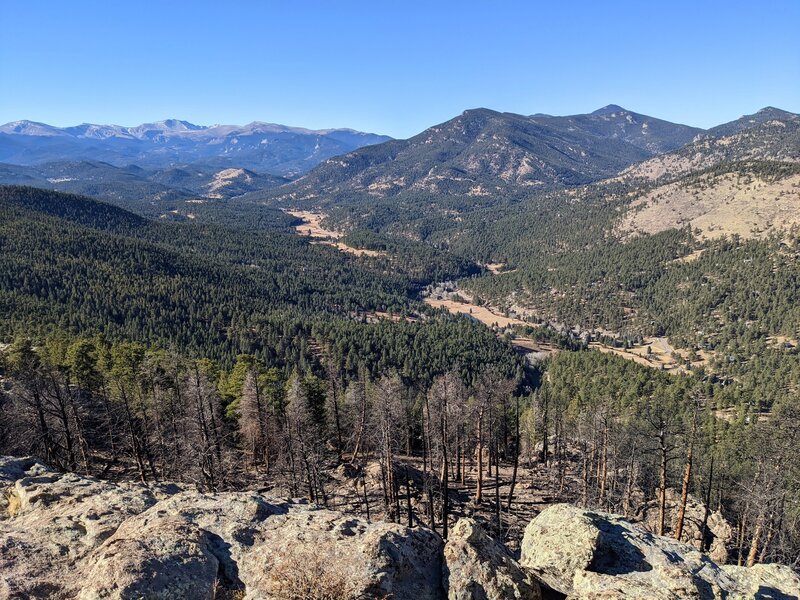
(479, 568)
(65, 536)
(161, 558)
(719, 532)
(52, 521)
(591, 555)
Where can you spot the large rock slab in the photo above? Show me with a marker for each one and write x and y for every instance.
(302, 555)
(161, 558)
(479, 568)
(589, 555)
(50, 522)
(66, 536)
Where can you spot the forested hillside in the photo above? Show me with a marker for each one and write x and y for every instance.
(179, 192)
(79, 266)
(702, 267)
(694, 244)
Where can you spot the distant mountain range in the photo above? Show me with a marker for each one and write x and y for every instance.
(589, 217)
(262, 147)
(481, 158)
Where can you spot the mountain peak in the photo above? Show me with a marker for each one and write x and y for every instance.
(173, 125)
(609, 109)
(263, 147)
(768, 113)
(25, 127)
(479, 111)
(778, 113)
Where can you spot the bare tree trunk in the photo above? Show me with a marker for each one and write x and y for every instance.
(385, 488)
(61, 410)
(366, 498)
(604, 463)
(479, 485)
(585, 477)
(464, 461)
(431, 510)
(497, 486)
(408, 500)
(707, 511)
(83, 444)
(516, 454)
(206, 444)
(687, 478)
(740, 536)
(335, 404)
(662, 490)
(362, 423)
(771, 528)
(44, 430)
(292, 465)
(545, 428)
(753, 553)
(445, 475)
(396, 491)
(320, 485)
(626, 503)
(425, 439)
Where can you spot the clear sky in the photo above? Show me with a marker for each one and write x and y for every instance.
(392, 67)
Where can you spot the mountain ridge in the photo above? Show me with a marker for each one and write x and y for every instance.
(263, 147)
(483, 153)
(172, 125)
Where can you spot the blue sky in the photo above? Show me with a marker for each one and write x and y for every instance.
(392, 67)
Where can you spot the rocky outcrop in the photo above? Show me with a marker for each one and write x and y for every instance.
(590, 555)
(718, 534)
(66, 536)
(477, 567)
(50, 522)
(160, 558)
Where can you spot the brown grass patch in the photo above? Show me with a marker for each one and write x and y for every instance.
(479, 313)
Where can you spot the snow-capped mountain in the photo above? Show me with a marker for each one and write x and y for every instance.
(263, 147)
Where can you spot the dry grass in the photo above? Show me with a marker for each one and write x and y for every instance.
(720, 206)
(305, 575)
(13, 504)
(342, 247)
(480, 313)
(495, 267)
(312, 227)
(656, 353)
